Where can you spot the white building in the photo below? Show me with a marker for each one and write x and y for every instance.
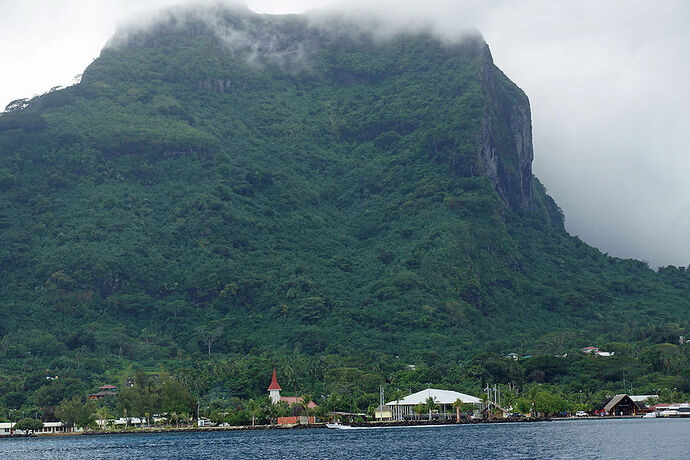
(444, 400)
(7, 429)
(122, 423)
(643, 398)
(202, 422)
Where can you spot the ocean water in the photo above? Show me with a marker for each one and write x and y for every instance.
(591, 439)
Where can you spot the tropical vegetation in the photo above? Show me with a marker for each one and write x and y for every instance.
(204, 206)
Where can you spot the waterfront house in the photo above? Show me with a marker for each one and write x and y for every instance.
(444, 400)
(202, 422)
(622, 404)
(7, 429)
(383, 413)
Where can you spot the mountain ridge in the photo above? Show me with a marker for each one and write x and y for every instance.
(187, 201)
(289, 43)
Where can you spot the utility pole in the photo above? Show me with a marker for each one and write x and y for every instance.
(381, 402)
(488, 401)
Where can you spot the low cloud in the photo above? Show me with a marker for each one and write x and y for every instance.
(607, 82)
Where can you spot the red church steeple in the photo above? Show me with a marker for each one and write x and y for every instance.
(274, 382)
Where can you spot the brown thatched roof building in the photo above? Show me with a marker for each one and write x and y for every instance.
(622, 405)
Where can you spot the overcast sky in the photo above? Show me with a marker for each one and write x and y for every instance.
(608, 83)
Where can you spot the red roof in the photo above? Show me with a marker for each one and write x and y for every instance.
(274, 382)
(297, 400)
(589, 349)
(107, 387)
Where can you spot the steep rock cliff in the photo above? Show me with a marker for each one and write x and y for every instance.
(505, 148)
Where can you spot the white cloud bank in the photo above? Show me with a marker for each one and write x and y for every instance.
(607, 82)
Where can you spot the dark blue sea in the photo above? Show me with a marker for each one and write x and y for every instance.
(591, 439)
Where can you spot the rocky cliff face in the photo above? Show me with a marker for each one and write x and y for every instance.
(505, 148)
(244, 40)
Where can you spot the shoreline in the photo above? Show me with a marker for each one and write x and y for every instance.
(368, 424)
(372, 424)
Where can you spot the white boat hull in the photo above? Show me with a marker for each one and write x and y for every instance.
(338, 426)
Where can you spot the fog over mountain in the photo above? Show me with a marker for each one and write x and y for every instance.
(607, 84)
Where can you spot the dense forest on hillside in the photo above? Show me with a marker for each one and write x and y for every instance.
(215, 199)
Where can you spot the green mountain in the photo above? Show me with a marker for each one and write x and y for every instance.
(228, 184)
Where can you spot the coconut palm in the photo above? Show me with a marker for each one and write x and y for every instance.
(253, 407)
(430, 405)
(419, 410)
(457, 405)
(306, 399)
(102, 414)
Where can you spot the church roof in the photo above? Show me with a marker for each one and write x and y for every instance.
(274, 382)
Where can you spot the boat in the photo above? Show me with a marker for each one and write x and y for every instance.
(338, 426)
(649, 415)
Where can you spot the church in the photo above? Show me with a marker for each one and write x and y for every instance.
(274, 395)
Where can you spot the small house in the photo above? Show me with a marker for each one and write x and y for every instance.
(203, 422)
(383, 413)
(622, 404)
(106, 391)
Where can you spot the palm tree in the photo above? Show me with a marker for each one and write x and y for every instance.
(102, 414)
(457, 404)
(431, 405)
(419, 409)
(253, 407)
(508, 398)
(306, 399)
